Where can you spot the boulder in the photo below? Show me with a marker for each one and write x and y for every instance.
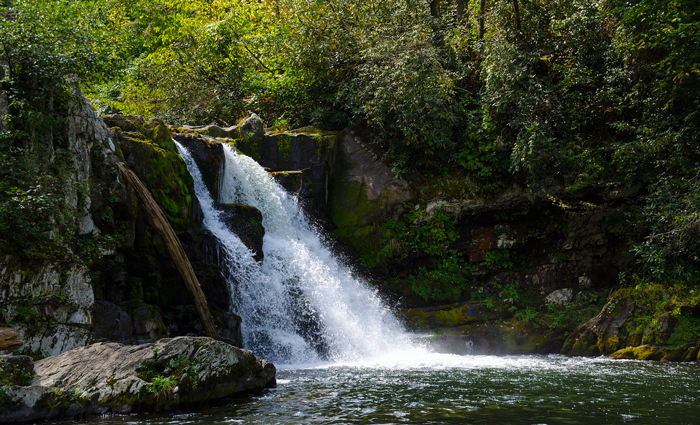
(213, 130)
(253, 129)
(654, 352)
(601, 334)
(111, 377)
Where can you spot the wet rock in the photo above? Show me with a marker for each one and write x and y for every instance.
(654, 352)
(450, 315)
(601, 334)
(110, 377)
(364, 193)
(231, 330)
(303, 160)
(497, 338)
(246, 222)
(208, 154)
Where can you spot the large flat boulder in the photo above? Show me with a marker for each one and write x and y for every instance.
(111, 377)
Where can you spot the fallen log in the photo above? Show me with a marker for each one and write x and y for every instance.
(9, 339)
(160, 223)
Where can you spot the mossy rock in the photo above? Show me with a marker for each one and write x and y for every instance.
(149, 151)
(655, 352)
(449, 315)
(208, 154)
(16, 370)
(290, 150)
(364, 193)
(502, 337)
(604, 334)
(146, 320)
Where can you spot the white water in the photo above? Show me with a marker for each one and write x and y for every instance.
(301, 301)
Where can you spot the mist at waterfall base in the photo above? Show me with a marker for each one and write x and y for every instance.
(343, 358)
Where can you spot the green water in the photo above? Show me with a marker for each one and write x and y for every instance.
(448, 389)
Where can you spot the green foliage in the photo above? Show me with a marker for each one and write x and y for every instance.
(498, 259)
(445, 281)
(15, 377)
(687, 332)
(579, 94)
(162, 385)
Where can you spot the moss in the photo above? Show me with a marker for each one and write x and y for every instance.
(284, 150)
(349, 207)
(643, 352)
(150, 152)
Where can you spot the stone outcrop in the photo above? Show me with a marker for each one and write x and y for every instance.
(208, 154)
(302, 160)
(246, 222)
(105, 274)
(602, 334)
(110, 377)
(50, 299)
(364, 194)
(633, 324)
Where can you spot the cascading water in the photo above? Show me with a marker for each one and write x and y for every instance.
(302, 304)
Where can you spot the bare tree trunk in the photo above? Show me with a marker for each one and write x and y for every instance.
(434, 8)
(9, 340)
(158, 221)
(516, 14)
(459, 9)
(482, 11)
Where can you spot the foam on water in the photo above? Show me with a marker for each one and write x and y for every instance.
(301, 305)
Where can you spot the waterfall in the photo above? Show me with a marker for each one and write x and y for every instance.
(302, 304)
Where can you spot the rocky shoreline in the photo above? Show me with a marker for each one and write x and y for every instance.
(116, 378)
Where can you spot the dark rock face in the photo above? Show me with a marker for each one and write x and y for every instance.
(246, 222)
(111, 322)
(600, 335)
(209, 156)
(231, 330)
(16, 370)
(110, 377)
(306, 154)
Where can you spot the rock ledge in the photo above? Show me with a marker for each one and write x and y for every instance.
(116, 378)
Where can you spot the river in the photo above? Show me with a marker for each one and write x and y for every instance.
(450, 389)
